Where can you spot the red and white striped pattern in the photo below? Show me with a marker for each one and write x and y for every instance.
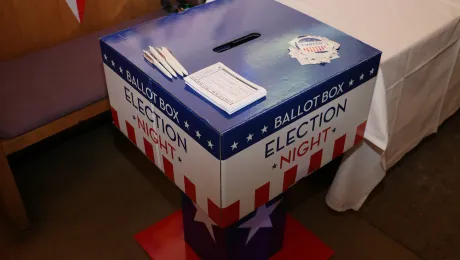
(197, 171)
(268, 168)
(229, 190)
(314, 49)
(294, 174)
(228, 215)
(289, 176)
(221, 216)
(316, 160)
(260, 195)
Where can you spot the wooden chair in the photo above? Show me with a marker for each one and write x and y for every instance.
(86, 78)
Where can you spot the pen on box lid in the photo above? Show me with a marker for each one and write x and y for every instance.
(163, 62)
(171, 59)
(156, 63)
(168, 52)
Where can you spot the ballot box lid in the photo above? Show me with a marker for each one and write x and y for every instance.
(193, 35)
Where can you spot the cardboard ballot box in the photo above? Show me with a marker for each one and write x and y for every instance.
(229, 165)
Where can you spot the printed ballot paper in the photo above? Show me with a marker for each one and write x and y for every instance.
(224, 88)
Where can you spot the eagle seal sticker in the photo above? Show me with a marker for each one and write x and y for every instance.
(313, 49)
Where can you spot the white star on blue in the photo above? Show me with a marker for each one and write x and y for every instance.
(264, 130)
(200, 216)
(260, 220)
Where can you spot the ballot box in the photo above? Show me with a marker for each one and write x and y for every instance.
(319, 84)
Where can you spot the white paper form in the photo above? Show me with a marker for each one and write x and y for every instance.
(224, 88)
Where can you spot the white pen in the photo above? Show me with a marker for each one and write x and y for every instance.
(172, 60)
(163, 62)
(156, 63)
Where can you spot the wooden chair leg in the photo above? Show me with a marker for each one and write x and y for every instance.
(10, 195)
(5, 239)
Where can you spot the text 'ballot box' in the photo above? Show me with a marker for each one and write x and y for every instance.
(229, 165)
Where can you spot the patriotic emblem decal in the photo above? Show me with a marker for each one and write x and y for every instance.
(313, 49)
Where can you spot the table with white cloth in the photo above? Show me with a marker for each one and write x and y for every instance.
(418, 85)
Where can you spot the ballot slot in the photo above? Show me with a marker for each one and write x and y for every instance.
(232, 44)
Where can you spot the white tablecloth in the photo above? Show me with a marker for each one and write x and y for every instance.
(418, 84)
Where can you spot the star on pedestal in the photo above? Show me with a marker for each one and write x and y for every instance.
(249, 138)
(371, 72)
(121, 70)
(264, 130)
(186, 124)
(113, 63)
(351, 82)
(200, 216)
(180, 160)
(333, 130)
(198, 134)
(105, 56)
(234, 145)
(260, 220)
(210, 144)
(361, 77)
(274, 166)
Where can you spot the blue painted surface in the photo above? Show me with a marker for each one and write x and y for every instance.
(230, 242)
(265, 61)
(122, 67)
